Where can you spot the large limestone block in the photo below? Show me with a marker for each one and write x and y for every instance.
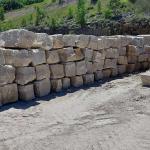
(97, 56)
(58, 41)
(42, 88)
(98, 65)
(122, 51)
(17, 58)
(70, 40)
(70, 69)
(43, 41)
(77, 81)
(70, 54)
(57, 71)
(98, 75)
(122, 60)
(113, 42)
(83, 41)
(56, 85)
(134, 50)
(8, 93)
(93, 42)
(26, 92)
(123, 39)
(110, 63)
(132, 59)
(137, 41)
(81, 67)
(145, 77)
(66, 83)
(143, 58)
(106, 73)
(121, 69)
(25, 75)
(89, 66)
(114, 72)
(42, 72)
(88, 78)
(7, 74)
(52, 57)
(88, 54)
(38, 57)
(130, 68)
(17, 38)
(112, 53)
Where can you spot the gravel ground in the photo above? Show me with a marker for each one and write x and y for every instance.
(114, 115)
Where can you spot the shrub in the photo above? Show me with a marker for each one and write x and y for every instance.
(99, 6)
(70, 13)
(2, 17)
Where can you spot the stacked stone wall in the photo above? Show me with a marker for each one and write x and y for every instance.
(36, 64)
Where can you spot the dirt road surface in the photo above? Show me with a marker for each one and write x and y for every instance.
(114, 115)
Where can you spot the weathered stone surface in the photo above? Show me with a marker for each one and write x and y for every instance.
(146, 39)
(134, 50)
(121, 69)
(77, 81)
(88, 78)
(147, 49)
(8, 93)
(17, 38)
(42, 88)
(38, 57)
(26, 92)
(122, 60)
(57, 71)
(89, 67)
(144, 65)
(93, 42)
(25, 75)
(17, 58)
(42, 72)
(112, 53)
(106, 73)
(81, 67)
(98, 65)
(43, 41)
(56, 85)
(88, 54)
(7, 74)
(138, 66)
(98, 75)
(70, 69)
(132, 59)
(130, 68)
(100, 43)
(70, 54)
(143, 57)
(83, 41)
(145, 77)
(110, 63)
(137, 41)
(52, 57)
(98, 57)
(114, 42)
(70, 40)
(58, 41)
(122, 51)
(114, 72)
(66, 83)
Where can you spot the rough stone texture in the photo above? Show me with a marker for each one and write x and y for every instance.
(8, 93)
(122, 51)
(93, 42)
(133, 50)
(77, 81)
(132, 59)
(145, 65)
(17, 58)
(57, 71)
(114, 72)
(70, 54)
(114, 42)
(70, 40)
(88, 54)
(42, 88)
(26, 92)
(17, 38)
(43, 41)
(56, 85)
(58, 41)
(138, 41)
(98, 66)
(146, 39)
(25, 75)
(121, 69)
(70, 69)
(100, 43)
(66, 83)
(142, 57)
(81, 67)
(106, 73)
(52, 57)
(7, 74)
(145, 77)
(98, 75)
(122, 60)
(130, 68)
(147, 49)
(88, 78)
(110, 63)
(89, 67)
(38, 57)
(97, 56)
(83, 41)
(42, 72)
(112, 53)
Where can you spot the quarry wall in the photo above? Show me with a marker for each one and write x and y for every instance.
(36, 64)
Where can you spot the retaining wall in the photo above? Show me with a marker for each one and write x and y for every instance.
(36, 64)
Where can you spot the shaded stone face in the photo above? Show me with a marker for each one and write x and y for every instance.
(70, 40)
(98, 75)
(77, 81)
(88, 78)
(88, 54)
(121, 69)
(122, 60)
(56, 85)
(58, 41)
(145, 77)
(52, 57)
(83, 41)
(70, 69)
(112, 53)
(106, 73)
(66, 83)
(110, 63)
(81, 67)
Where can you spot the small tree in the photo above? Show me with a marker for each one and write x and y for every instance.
(99, 6)
(2, 17)
(70, 13)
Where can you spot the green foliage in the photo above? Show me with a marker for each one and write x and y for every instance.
(70, 13)
(2, 17)
(99, 6)
(53, 23)
(107, 13)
